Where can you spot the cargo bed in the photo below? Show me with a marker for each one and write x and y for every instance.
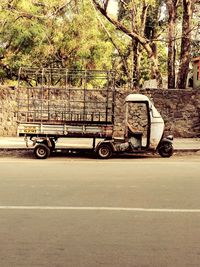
(64, 103)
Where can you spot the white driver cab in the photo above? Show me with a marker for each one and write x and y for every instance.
(144, 125)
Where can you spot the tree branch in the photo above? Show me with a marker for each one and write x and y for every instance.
(120, 53)
(61, 7)
(133, 34)
(144, 16)
(105, 4)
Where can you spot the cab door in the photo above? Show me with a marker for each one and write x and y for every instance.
(138, 121)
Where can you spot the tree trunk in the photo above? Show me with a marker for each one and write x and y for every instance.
(172, 10)
(135, 50)
(135, 60)
(185, 44)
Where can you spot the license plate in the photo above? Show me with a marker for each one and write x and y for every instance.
(30, 129)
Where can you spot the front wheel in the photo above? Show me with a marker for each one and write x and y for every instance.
(41, 151)
(104, 151)
(166, 150)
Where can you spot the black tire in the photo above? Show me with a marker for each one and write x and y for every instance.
(104, 151)
(166, 150)
(41, 151)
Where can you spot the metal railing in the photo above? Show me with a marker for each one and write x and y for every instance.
(61, 95)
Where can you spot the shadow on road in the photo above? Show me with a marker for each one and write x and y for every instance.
(28, 153)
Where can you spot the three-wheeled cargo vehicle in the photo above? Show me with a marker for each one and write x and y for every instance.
(55, 103)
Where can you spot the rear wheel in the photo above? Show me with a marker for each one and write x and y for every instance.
(166, 150)
(41, 151)
(104, 151)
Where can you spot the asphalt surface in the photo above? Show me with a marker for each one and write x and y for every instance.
(75, 211)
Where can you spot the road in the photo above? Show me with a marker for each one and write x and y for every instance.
(136, 212)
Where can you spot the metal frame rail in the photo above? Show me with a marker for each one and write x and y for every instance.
(61, 96)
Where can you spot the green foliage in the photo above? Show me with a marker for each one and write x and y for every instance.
(39, 33)
(43, 33)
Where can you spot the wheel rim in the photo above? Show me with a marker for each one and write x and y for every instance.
(104, 152)
(41, 151)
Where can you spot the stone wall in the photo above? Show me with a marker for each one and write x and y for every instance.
(8, 107)
(180, 110)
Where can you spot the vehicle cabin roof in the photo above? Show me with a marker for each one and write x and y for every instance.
(137, 98)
